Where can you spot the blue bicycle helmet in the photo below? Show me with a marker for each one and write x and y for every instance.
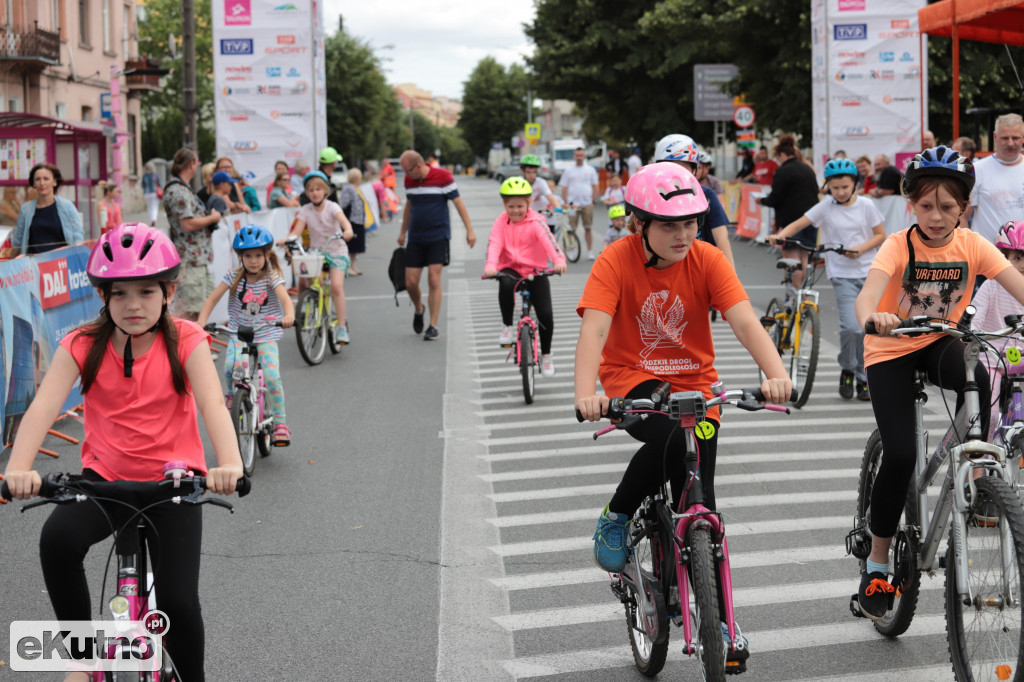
(940, 161)
(252, 237)
(838, 167)
(316, 174)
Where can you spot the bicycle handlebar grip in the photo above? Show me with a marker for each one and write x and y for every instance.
(210, 327)
(5, 492)
(47, 489)
(579, 418)
(759, 396)
(243, 487)
(869, 328)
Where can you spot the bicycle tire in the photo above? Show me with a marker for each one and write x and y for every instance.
(310, 328)
(774, 329)
(571, 245)
(804, 361)
(526, 361)
(898, 619)
(265, 439)
(705, 612)
(243, 417)
(649, 633)
(986, 637)
(332, 340)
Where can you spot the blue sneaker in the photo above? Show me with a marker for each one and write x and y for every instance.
(611, 541)
(735, 661)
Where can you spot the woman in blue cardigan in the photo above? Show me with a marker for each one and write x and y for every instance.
(47, 222)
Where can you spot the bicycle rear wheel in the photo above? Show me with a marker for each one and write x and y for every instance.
(804, 361)
(704, 607)
(526, 361)
(310, 328)
(902, 554)
(571, 245)
(648, 629)
(984, 635)
(243, 415)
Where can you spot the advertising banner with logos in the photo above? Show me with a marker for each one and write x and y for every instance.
(868, 79)
(270, 93)
(42, 298)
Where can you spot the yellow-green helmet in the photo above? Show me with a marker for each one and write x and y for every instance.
(516, 187)
(530, 160)
(617, 211)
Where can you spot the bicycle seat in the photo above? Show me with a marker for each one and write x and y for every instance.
(791, 264)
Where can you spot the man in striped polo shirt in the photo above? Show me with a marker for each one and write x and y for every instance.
(427, 223)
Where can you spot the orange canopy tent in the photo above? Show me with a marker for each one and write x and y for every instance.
(987, 21)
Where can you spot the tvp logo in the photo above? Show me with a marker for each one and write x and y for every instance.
(850, 32)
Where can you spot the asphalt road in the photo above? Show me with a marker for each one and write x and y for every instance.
(426, 524)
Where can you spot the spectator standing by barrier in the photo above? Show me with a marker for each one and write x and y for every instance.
(997, 197)
(279, 167)
(280, 195)
(248, 192)
(764, 168)
(190, 230)
(206, 175)
(47, 222)
(301, 170)
(152, 192)
(888, 178)
(107, 208)
(235, 202)
(866, 181)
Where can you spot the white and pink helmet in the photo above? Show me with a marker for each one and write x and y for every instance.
(666, 192)
(1011, 236)
(677, 148)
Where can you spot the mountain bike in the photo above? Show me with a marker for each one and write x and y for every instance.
(793, 323)
(315, 319)
(565, 236)
(132, 610)
(984, 559)
(680, 560)
(527, 344)
(253, 420)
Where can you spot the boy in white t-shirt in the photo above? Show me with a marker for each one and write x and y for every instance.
(542, 198)
(854, 221)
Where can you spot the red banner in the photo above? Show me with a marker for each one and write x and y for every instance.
(748, 218)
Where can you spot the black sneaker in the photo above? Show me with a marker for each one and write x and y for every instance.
(431, 333)
(862, 391)
(875, 595)
(417, 321)
(846, 384)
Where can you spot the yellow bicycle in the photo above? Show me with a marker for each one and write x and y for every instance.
(793, 323)
(315, 319)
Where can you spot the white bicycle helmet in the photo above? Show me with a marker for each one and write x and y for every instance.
(677, 147)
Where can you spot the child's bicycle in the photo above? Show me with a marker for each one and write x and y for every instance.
(681, 558)
(134, 600)
(793, 323)
(980, 518)
(254, 424)
(1009, 432)
(315, 320)
(565, 236)
(527, 345)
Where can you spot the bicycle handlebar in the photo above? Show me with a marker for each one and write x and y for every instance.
(537, 273)
(293, 243)
(62, 488)
(822, 248)
(749, 399)
(923, 324)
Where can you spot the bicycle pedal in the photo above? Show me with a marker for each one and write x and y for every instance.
(506, 345)
(735, 667)
(855, 607)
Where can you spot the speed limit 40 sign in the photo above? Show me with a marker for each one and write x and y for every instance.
(743, 116)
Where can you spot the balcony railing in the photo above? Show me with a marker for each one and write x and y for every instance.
(143, 74)
(30, 44)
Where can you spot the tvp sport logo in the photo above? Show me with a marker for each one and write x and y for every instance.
(850, 32)
(236, 46)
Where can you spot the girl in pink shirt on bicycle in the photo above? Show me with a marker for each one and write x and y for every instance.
(144, 378)
(521, 243)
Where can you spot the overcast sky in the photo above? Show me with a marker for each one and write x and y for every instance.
(437, 43)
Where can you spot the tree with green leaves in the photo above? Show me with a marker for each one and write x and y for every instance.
(493, 104)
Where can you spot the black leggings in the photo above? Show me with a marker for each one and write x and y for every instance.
(892, 398)
(540, 297)
(645, 471)
(174, 541)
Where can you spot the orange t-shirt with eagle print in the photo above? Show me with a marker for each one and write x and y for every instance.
(660, 324)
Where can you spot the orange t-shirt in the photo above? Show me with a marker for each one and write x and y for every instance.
(133, 426)
(660, 325)
(944, 284)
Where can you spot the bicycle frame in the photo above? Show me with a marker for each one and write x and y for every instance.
(250, 378)
(526, 319)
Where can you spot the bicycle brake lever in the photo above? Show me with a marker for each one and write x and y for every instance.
(216, 501)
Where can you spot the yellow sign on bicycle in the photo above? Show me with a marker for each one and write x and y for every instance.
(704, 430)
(1013, 355)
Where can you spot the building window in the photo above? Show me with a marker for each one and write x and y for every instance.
(14, 104)
(87, 114)
(133, 164)
(83, 22)
(61, 111)
(106, 25)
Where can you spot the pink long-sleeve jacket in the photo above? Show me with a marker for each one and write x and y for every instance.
(522, 246)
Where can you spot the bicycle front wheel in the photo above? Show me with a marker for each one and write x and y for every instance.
(571, 245)
(774, 323)
(649, 629)
(903, 551)
(332, 330)
(804, 361)
(243, 415)
(984, 634)
(526, 361)
(704, 609)
(310, 328)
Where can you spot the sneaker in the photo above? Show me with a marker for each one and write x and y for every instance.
(431, 333)
(735, 660)
(341, 335)
(862, 391)
(282, 436)
(611, 541)
(547, 366)
(875, 595)
(590, 255)
(846, 378)
(508, 337)
(417, 321)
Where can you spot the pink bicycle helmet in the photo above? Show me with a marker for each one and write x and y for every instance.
(133, 251)
(1011, 236)
(677, 148)
(665, 191)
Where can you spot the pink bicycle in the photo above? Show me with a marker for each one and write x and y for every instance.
(679, 563)
(135, 596)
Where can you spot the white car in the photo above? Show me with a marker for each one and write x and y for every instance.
(340, 175)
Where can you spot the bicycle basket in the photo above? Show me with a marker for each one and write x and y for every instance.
(309, 265)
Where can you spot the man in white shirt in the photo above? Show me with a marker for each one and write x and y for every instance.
(579, 190)
(634, 161)
(997, 196)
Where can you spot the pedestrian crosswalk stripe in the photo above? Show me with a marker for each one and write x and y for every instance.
(720, 479)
